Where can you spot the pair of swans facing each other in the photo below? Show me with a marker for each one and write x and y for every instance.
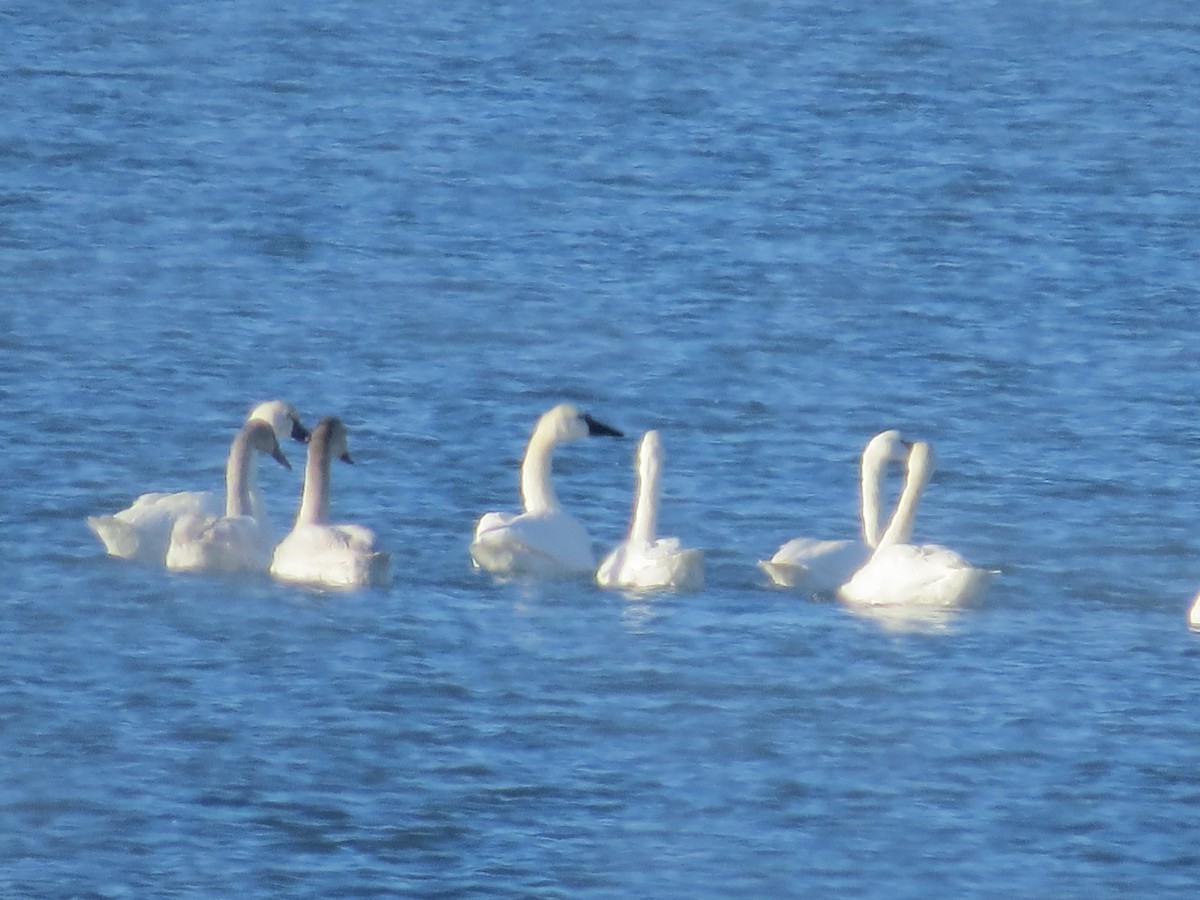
(546, 541)
(822, 566)
(191, 531)
(883, 569)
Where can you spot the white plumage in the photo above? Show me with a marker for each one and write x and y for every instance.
(142, 532)
(236, 541)
(644, 561)
(317, 552)
(543, 540)
(900, 573)
(822, 566)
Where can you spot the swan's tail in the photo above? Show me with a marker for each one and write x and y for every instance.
(785, 575)
(688, 570)
(119, 538)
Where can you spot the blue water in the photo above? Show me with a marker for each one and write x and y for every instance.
(768, 230)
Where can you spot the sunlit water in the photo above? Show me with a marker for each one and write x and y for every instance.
(767, 231)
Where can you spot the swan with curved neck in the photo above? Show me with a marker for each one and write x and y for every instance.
(237, 541)
(822, 566)
(142, 532)
(902, 573)
(285, 421)
(320, 553)
(645, 561)
(543, 539)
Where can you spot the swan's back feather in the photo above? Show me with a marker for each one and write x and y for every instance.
(663, 564)
(331, 555)
(142, 531)
(546, 544)
(814, 565)
(908, 573)
(223, 545)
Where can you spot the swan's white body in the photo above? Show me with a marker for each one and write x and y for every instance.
(317, 552)
(142, 532)
(236, 541)
(822, 566)
(544, 540)
(899, 573)
(644, 561)
(1194, 614)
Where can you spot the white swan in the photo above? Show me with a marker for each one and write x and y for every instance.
(236, 541)
(316, 552)
(645, 561)
(822, 566)
(544, 539)
(142, 531)
(1194, 614)
(902, 573)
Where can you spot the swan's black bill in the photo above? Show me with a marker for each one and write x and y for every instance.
(278, 456)
(596, 427)
(345, 457)
(300, 433)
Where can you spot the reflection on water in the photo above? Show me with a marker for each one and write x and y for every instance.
(640, 612)
(907, 617)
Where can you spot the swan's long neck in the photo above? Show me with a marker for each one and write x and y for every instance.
(900, 529)
(537, 493)
(873, 468)
(314, 497)
(239, 477)
(644, 526)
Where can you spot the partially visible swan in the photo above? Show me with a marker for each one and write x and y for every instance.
(142, 531)
(317, 552)
(1194, 614)
(236, 541)
(822, 566)
(645, 561)
(903, 573)
(544, 539)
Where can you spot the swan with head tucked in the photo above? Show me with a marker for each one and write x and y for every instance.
(822, 566)
(236, 541)
(902, 573)
(317, 552)
(645, 561)
(544, 540)
(142, 532)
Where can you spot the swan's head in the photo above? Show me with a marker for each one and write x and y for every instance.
(887, 446)
(566, 423)
(261, 437)
(283, 418)
(330, 435)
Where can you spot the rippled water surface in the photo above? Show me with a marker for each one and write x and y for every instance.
(768, 230)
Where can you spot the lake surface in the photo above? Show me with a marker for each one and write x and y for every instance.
(768, 230)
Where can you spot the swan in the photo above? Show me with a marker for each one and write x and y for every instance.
(902, 573)
(316, 552)
(822, 566)
(644, 561)
(544, 539)
(236, 541)
(1194, 614)
(142, 531)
